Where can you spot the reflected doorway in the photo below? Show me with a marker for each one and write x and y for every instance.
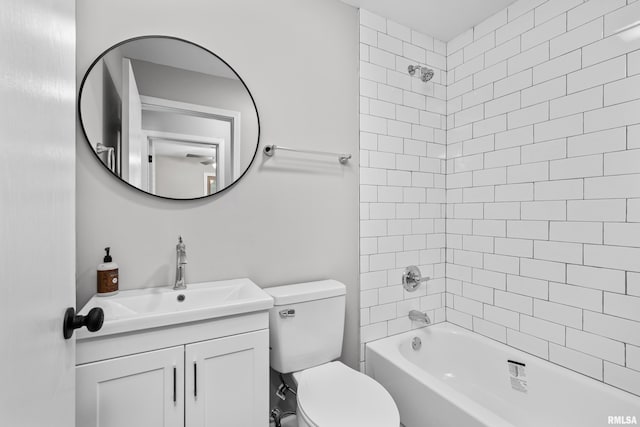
(179, 164)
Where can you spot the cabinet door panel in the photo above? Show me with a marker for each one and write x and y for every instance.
(231, 379)
(132, 391)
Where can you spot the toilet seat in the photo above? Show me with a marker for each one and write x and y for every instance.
(334, 395)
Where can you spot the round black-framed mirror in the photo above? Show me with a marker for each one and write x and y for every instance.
(169, 117)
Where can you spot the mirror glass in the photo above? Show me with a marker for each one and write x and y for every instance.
(169, 117)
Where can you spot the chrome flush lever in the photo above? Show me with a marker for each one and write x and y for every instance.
(289, 312)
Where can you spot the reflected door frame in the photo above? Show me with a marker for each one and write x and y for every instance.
(208, 178)
(220, 144)
(150, 103)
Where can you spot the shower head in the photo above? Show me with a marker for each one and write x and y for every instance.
(426, 73)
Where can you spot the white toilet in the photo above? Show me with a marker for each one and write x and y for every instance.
(306, 326)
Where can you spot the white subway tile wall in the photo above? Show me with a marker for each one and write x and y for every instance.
(543, 184)
(402, 175)
(518, 169)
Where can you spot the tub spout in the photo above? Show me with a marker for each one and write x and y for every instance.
(419, 316)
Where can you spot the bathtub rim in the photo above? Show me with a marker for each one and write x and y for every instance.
(442, 389)
(388, 348)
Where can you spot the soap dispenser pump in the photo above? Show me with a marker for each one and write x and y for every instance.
(108, 276)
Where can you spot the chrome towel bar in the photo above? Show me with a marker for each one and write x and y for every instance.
(270, 150)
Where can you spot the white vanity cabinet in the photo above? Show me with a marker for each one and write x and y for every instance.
(226, 381)
(210, 373)
(142, 390)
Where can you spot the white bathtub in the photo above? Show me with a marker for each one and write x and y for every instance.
(462, 379)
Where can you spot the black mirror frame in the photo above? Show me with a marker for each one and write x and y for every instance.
(84, 132)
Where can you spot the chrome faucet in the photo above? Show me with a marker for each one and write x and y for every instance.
(419, 316)
(181, 262)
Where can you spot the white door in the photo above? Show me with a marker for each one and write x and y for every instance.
(134, 144)
(37, 211)
(143, 390)
(227, 381)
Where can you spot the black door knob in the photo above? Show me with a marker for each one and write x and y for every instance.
(93, 321)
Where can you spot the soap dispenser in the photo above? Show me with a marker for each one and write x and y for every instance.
(107, 276)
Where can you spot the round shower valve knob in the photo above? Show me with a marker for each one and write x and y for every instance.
(412, 277)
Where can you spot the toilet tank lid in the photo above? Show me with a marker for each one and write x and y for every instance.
(305, 291)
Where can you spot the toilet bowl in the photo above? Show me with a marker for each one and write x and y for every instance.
(306, 327)
(334, 395)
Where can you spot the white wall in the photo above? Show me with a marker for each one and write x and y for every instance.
(180, 177)
(96, 121)
(291, 218)
(543, 228)
(402, 176)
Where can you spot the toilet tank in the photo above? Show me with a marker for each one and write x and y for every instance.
(306, 324)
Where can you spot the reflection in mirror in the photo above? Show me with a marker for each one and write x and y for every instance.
(169, 117)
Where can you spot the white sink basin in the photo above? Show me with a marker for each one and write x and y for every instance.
(155, 307)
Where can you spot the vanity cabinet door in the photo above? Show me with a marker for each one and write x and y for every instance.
(142, 390)
(227, 381)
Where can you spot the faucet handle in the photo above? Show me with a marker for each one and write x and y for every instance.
(412, 277)
(181, 250)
